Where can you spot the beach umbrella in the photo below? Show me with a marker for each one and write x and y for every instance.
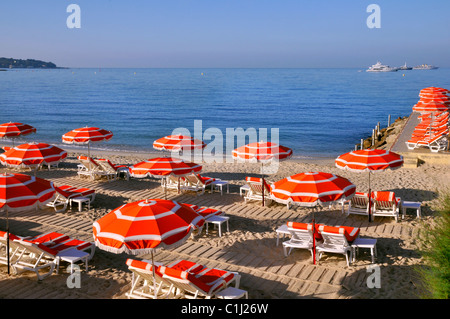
(431, 106)
(163, 167)
(433, 90)
(369, 160)
(261, 152)
(32, 155)
(86, 135)
(312, 189)
(178, 143)
(143, 226)
(13, 130)
(20, 192)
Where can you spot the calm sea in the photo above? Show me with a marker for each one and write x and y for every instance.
(319, 112)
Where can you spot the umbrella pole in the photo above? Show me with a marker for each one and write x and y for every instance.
(263, 189)
(7, 237)
(154, 277)
(370, 201)
(314, 237)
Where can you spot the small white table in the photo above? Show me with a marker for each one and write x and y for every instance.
(365, 243)
(219, 184)
(74, 255)
(244, 189)
(232, 293)
(80, 201)
(217, 220)
(283, 229)
(412, 205)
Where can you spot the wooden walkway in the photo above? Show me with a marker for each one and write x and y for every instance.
(266, 273)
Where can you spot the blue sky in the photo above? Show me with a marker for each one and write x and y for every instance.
(226, 33)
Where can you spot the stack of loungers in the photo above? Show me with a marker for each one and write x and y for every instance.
(431, 132)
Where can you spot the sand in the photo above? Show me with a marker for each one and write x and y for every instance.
(250, 246)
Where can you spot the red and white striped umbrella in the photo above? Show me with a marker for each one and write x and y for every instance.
(86, 135)
(261, 152)
(32, 155)
(143, 226)
(14, 130)
(428, 106)
(369, 160)
(312, 189)
(20, 192)
(433, 90)
(164, 166)
(177, 143)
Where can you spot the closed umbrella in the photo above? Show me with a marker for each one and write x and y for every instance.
(14, 129)
(142, 227)
(369, 160)
(20, 192)
(32, 155)
(312, 189)
(87, 135)
(163, 167)
(261, 152)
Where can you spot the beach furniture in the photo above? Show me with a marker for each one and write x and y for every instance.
(337, 240)
(359, 204)
(205, 283)
(301, 238)
(369, 243)
(67, 194)
(174, 182)
(37, 254)
(256, 190)
(198, 183)
(149, 284)
(435, 142)
(113, 169)
(89, 167)
(386, 204)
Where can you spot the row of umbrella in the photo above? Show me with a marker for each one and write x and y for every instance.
(135, 228)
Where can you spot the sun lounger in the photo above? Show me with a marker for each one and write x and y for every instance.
(113, 169)
(35, 253)
(32, 257)
(198, 183)
(60, 242)
(89, 167)
(301, 237)
(65, 194)
(144, 280)
(359, 204)
(386, 204)
(436, 141)
(204, 283)
(173, 182)
(256, 190)
(337, 240)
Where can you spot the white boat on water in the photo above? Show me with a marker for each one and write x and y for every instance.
(378, 67)
(404, 67)
(425, 67)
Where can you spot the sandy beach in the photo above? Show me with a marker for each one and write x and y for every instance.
(250, 246)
